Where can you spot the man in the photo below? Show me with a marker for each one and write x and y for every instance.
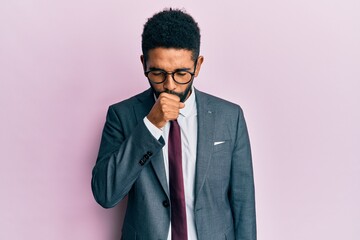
(181, 156)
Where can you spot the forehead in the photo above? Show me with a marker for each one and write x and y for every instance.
(169, 58)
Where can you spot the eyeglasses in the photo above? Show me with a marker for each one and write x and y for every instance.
(158, 76)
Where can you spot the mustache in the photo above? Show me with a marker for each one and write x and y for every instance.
(172, 92)
(181, 95)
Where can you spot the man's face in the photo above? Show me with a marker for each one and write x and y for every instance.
(170, 60)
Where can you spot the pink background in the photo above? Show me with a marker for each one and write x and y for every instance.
(294, 67)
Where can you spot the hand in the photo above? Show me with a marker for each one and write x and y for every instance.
(166, 108)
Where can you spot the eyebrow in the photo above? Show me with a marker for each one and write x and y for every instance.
(176, 70)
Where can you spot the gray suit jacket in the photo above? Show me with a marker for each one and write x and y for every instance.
(130, 162)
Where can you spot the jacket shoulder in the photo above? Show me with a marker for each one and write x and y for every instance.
(218, 103)
(130, 102)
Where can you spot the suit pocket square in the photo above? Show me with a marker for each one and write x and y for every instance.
(217, 143)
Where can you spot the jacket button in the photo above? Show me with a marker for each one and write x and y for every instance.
(142, 162)
(149, 153)
(166, 203)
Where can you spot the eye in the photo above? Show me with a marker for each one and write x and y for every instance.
(157, 73)
(181, 73)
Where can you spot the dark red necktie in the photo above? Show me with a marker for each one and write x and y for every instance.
(177, 193)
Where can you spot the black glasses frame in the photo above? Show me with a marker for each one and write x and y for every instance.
(172, 75)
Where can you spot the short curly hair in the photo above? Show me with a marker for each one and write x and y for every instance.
(171, 28)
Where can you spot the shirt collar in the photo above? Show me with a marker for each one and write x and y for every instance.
(190, 104)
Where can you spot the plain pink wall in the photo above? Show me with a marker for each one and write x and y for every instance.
(294, 67)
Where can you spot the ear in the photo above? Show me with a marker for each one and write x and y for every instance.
(143, 62)
(198, 65)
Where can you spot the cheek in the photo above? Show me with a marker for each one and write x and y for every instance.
(157, 87)
(181, 89)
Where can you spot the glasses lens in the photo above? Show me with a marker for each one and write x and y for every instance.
(156, 76)
(182, 76)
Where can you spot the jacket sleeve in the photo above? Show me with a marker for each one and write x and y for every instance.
(121, 158)
(242, 193)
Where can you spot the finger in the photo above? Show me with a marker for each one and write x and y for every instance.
(164, 101)
(170, 108)
(170, 96)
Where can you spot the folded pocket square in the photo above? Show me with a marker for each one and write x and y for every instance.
(217, 143)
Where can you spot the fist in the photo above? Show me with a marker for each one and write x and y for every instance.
(166, 108)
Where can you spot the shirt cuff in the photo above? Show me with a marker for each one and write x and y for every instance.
(155, 131)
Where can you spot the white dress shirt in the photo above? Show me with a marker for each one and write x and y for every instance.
(187, 120)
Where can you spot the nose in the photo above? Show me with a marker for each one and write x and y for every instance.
(169, 83)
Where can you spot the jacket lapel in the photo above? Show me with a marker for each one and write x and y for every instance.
(205, 140)
(146, 101)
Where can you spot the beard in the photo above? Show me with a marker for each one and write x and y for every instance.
(182, 95)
